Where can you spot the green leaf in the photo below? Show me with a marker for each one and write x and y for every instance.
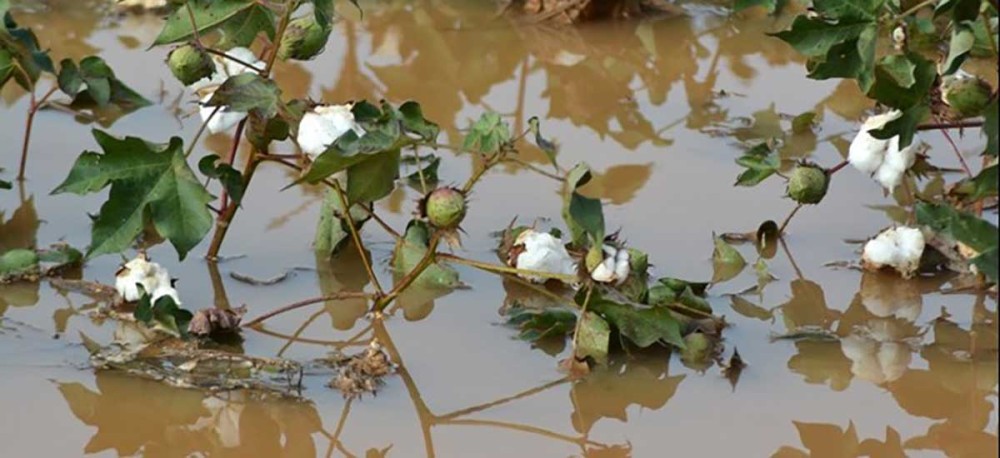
(642, 326)
(374, 178)
(584, 215)
(231, 179)
(25, 61)
(244, 27)
(592, 338)
(208, 14)
(962, 41)
(323, 9)
(411, 249)
(488, 134)
(987, 262)
(760, 162)
(93, 84)
(413, 121)
(991, 126)
(964, 227)
(727, 262)
(333, 228)
(903, 81)
(905, 126)
(429, 173)
(146, 179)
(849, 59)
(248, 92)
(6, 66)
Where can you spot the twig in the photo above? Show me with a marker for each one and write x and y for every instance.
(201, 130)
(837, 168)
(28, 124)
(304, 303)
(950, 125)
(961, 159)
(535, 169)
(788, 219)
(583, 313)
(495, 268)
(232, 157)
(357, 239)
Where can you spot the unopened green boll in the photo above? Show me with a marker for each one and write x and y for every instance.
(445, 208)
(808, 184)
(967, 96)
(304, 39)
(190, 64)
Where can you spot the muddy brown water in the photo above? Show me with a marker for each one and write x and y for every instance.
(658, 109)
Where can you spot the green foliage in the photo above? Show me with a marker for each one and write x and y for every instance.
(488, 135)
(840, 41)
(966, 228)
(246, 26)
(373, 178)
(165, 315)
(991, 128)
(231, 179)
(18, 261)
(21, 58)
(387, 130)
(641, 325)
(411, 249)
(248, 92)
(726, 261)
(93, 83)
(760, 163)
(208, 15)
(584, 216)
(304, 39)
(981, 186)
(147, 181)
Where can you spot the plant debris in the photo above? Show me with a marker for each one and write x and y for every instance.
(216, 321)
(362, 373)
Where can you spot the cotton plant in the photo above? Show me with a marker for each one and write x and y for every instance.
(896, 248)
(189, 63)
(884, 160)
(141, 276)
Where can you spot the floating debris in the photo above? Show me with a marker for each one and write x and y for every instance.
(362, 373)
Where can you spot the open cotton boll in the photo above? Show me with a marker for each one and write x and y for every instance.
(141, 272)
(899, 248)
(615, 267)
(882, 159)
(223, 119)
(543, 253)
(322, 126)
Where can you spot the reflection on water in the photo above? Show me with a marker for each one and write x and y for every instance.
(883, 367)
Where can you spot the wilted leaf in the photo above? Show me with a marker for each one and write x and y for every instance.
(979, 187)
(592, 338)
(804, 122)
(962, 41)
(766, 239)
(428, 173)
(413, 120)
(145, 178)
(584, 216)
(548, 147)
(749, 309)
(734, 368)
(212, 321)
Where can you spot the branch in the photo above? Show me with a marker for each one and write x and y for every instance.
(304, 303)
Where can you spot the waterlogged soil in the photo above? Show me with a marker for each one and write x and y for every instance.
(659, 109)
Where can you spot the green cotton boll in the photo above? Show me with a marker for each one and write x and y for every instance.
(808, 184)
(20, 261)
(967, 97)
(304, 39)
(698, 349)
(445, 208)
(190, 64)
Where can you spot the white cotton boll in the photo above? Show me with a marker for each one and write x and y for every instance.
(244, 55)
(866, 152)
(623, 266)
(130, 276)
(911, 243)
(880, 251)
(205, 88)
(321, 127)
(889, 177)
(543, 253)
(605, 271)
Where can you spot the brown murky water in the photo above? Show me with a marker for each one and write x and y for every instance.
(658, 109)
